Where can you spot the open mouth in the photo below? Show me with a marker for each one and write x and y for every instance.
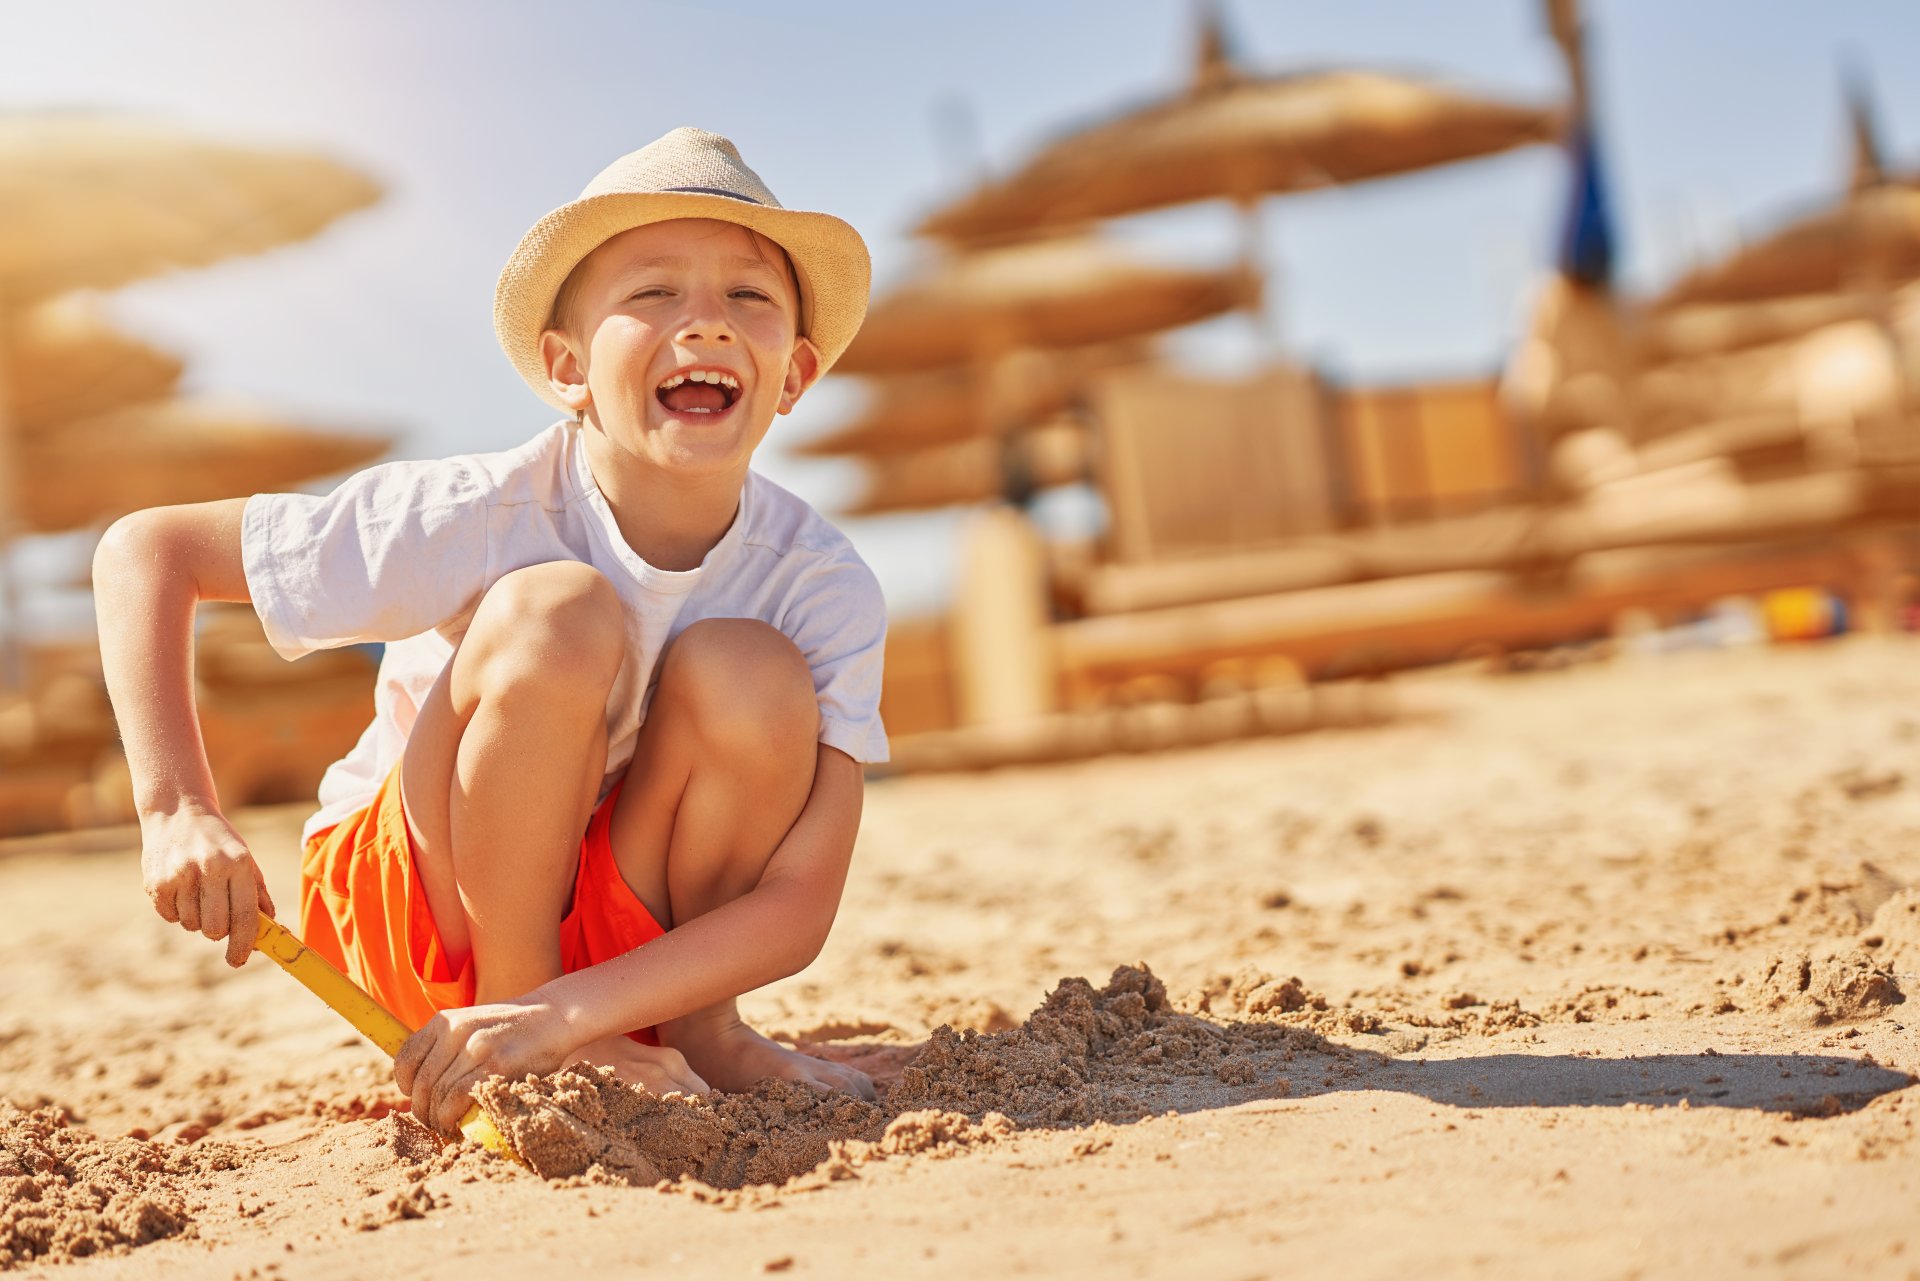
(698, 391)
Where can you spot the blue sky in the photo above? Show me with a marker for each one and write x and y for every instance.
(1717, 117)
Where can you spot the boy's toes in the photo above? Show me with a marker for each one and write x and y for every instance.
(678, 1074)
(862, 1084)
(837, 1076)
(657, 1079)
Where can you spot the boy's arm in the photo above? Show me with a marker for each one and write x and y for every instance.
(768, 933)
(150, 571)
(771, 931)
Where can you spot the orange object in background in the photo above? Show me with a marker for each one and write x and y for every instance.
(1802, 613)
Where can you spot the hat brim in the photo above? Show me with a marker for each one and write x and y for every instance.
(829, 257)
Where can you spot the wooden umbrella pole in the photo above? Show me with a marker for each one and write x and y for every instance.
(11, 675)
(1568, 28)
(1253, 257)
(996, 424)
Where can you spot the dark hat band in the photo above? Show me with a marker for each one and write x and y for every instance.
(710, 191)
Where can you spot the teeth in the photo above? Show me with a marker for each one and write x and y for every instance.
(702, 376)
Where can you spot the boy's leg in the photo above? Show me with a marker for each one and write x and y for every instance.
(503, 766)
(499, 779)
(722, 768)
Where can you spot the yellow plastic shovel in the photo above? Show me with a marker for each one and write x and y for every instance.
(366, 1014)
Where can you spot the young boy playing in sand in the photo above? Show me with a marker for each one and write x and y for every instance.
(614, 630)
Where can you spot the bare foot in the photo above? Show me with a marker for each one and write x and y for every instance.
(733, 1057)
(656, 1069)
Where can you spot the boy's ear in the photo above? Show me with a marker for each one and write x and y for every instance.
(566, 371)
(803, 370)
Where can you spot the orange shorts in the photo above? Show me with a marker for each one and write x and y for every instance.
(364, 908)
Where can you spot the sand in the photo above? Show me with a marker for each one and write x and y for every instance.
(1086, 1055)
(585, 1121)
(1597, 972)
(67, 1195)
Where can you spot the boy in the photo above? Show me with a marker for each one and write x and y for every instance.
(615, 629)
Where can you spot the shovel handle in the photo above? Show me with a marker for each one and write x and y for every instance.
(370, 1018)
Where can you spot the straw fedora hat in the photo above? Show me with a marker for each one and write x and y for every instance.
(689, 173)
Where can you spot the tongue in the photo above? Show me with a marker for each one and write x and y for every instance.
(694, 396)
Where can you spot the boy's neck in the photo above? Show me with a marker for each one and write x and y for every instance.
(669, 522)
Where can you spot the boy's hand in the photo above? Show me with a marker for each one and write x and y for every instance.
(199, 873)
(457, 1049)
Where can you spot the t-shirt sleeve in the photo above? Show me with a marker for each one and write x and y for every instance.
(395, 551)
(839, 622)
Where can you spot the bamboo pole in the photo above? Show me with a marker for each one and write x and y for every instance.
(12, 676)
(1512, 540)
(1427, 618)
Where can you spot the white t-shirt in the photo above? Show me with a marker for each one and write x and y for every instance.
(403, 552)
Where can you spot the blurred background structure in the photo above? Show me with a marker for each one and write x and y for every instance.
(1269, 532)
(1121, 487)
(92, 427)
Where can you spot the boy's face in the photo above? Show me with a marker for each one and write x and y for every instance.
(681, 343)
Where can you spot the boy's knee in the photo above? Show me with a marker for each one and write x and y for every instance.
(559, 623)
(742, 685)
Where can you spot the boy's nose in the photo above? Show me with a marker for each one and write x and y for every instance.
(705, 320)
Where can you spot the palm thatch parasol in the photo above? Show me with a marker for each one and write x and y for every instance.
(66, 362)
(909, 412)
(1844, 244)
(972, 470)
(1871, 239)
(93, 202)
(1239, 137)
(173, 451)
(1070, 292)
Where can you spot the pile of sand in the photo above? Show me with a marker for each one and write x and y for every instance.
(1085, 1055)
(66, 1192)
(1113, 1054)
(1866, 929)
(586, 1120)
(1894, 934)
(1253, 993)
(1827, 985)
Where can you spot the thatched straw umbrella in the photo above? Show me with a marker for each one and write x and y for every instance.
(1239, 136)
(1807, 326)
(971, 470)
(907, 412)
(92, 202)
(1227, 135)
(1073, 291)
(89, 202)
(171, 451)
(987, 312)
(1870, 240)
(66, 362)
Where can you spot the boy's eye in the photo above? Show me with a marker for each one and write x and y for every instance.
(650, 292)
(751, 293)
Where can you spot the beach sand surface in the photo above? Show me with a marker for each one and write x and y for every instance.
(1603, 972)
